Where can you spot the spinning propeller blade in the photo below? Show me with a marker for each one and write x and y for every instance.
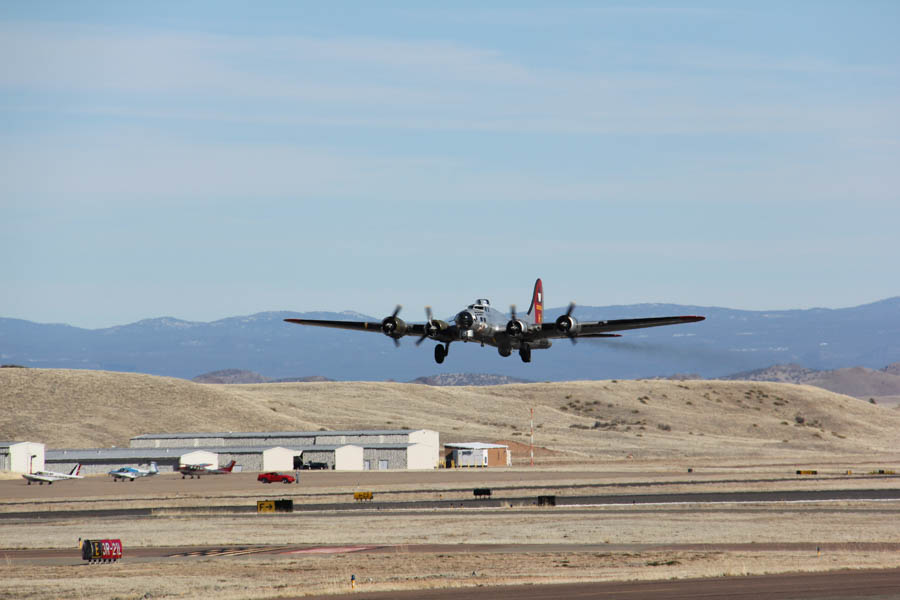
(428, 325)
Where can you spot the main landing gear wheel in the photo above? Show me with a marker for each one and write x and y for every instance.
(525, 354)
(440, 353)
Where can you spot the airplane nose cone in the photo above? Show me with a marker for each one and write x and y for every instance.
(465, 320)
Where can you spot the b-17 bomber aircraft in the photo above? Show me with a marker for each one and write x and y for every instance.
(482, 324)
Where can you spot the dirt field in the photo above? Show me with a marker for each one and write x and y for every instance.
(537, 545)
(613, 437)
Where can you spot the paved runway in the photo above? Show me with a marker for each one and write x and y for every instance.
(832, 585)
(521, 501)
(320, 483)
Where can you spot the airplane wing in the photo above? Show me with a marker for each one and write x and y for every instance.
(355, 325)
(416, 329)
(36, 477)
(604, 328)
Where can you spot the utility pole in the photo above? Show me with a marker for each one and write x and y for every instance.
(532, 436)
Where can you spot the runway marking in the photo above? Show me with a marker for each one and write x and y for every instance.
(331, 550)
(225, 552)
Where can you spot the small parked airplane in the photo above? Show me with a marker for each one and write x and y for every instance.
(133, 473)
(482, 324)
(204, 469)
(49, 477)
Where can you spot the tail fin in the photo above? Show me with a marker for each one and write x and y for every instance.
(75, 470)
(229, 467)
(537, 302)
(153, 467)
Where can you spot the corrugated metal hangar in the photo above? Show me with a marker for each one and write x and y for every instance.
(262, 458)
(101, 460)
(381, 448)
(353, 450)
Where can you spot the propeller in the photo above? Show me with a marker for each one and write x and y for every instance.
(514, 327)
(430, 327)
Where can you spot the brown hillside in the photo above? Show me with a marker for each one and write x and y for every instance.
(584, 420)
(859, 382)
(84, 409)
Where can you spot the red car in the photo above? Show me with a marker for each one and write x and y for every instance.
(275, 477)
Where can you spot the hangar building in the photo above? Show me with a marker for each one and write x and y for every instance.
(102, 460)
(382, 448)
(21, 457)
(347, 457)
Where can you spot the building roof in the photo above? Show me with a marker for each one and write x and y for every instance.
(261, 449)
(271, 434)
(474, 445)
(84, 454)
(387, 446)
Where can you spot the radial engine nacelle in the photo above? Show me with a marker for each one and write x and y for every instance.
(393, 326)
(435, 326)
(515, 328)
(465, 320)
(566, 324)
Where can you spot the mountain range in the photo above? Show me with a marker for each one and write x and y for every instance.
(728, 342)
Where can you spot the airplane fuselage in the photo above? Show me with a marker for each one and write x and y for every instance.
(483, 324)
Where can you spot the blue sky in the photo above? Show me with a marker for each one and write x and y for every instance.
(210, 159)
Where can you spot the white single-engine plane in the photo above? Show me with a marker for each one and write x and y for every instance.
(48, 477)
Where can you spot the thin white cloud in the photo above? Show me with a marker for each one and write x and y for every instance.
(439, 86)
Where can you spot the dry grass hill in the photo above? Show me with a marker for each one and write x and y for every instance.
(882, 385)
(580, 421)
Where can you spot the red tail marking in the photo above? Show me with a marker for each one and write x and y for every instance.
(537, 303)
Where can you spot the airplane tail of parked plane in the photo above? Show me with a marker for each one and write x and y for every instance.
(153, 468)
(537, 303)
(75, 470)
(227, 468)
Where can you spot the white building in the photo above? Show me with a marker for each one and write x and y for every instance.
(21, 457)
(346, 457)
(478, 454)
